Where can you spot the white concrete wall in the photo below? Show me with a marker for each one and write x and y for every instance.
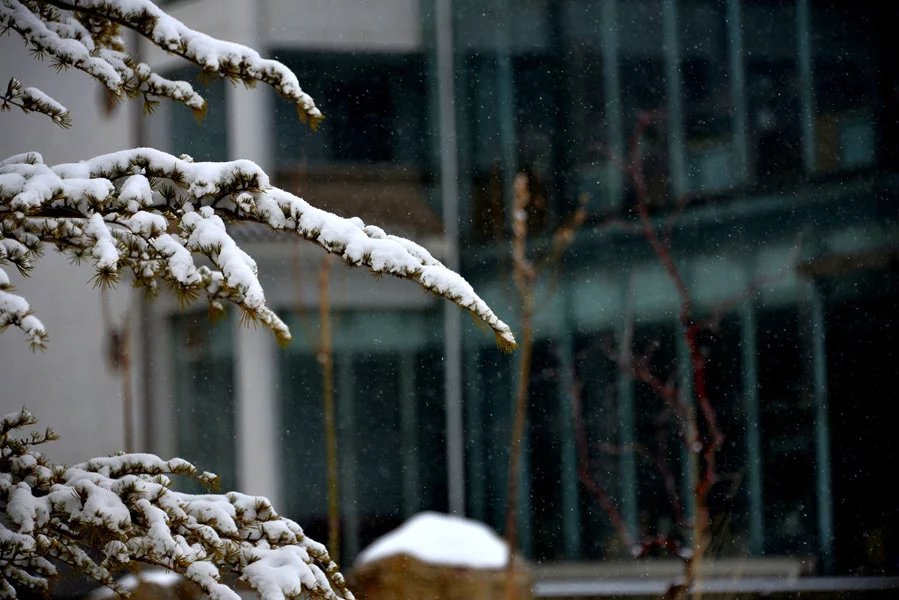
(69, 386)
(345, 25)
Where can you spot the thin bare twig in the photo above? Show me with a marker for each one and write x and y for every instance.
(524, 276)
(326, 361)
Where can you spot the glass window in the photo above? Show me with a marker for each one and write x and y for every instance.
(372, 155)
(708, 130)
(728, 500)
(772, 88)
(657, 446)
(429, 432)
(377, 463)
(206, 139)
(482, 153)
(846, 84)
(597, 377)
(508, 77)
(488, 398)
(302, 442)
(551, 89)
(788, 436)
(389, 402)
(375, 107)
(861, 361)
(753, 115)
(587, 140)
(642, 72)
(547, 426)
(202, 363)
(531, 85)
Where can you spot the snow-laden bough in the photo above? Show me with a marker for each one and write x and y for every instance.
(105, 514)
(87, 35)
(151, 213)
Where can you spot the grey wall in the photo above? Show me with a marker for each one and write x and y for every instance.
(68, 386)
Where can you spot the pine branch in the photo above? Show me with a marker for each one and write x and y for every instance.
(85, 35)
(31, 99)
(106, 210)
(109, 513)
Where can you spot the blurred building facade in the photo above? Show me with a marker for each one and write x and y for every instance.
(778, 123)
(778, 120)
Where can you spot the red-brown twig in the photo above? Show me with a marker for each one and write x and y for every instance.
(702, 439)
(586, 477)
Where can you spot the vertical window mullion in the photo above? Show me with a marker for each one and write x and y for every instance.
(627, 463)
(823, 483)
(737, 73)
(570, 515)
(675, 116)
(806, 84)
(612, 87)
(753, 430)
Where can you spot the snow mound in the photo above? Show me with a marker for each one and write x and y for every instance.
(441, 539)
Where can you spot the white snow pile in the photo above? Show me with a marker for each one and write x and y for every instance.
(150, 213)
(440, 539)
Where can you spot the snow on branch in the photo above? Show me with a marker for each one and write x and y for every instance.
(110, 513)
(86, 35)
(31, 99)
(151, 213)
(14, 309)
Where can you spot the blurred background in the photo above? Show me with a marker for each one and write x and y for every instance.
(771, 158)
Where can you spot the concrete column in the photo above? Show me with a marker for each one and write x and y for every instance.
(256, 412)
(250, 111)
(449, 195)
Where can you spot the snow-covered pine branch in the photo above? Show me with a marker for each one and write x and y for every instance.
(31, 99)
(86, 35)
(103, 515)
(150, 213)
